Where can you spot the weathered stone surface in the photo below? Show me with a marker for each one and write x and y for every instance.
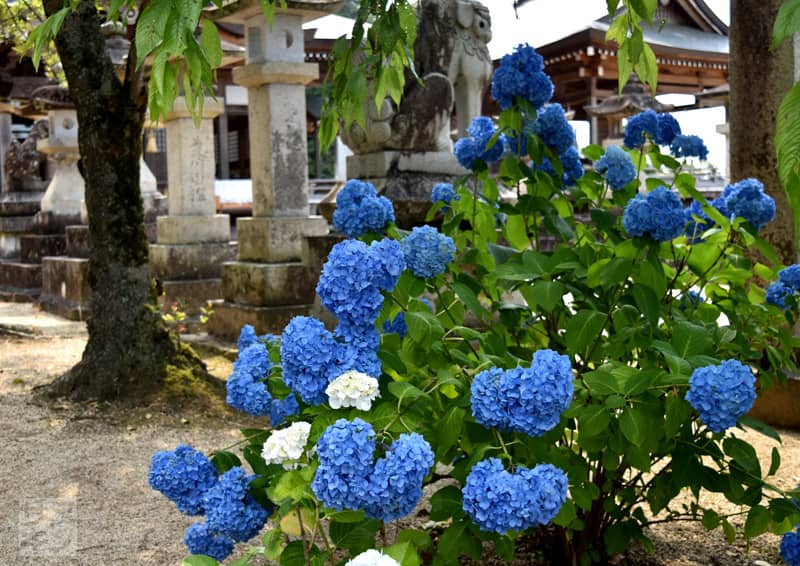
(276, 72)
(189, 261)
(193, 294)
(20, 203)
(20, 275)
(16, 224)
(65, 287)
(193, 229)
(276, 238)
(24, 166)
(229, 318)
(53, 222)
(77, 241)
(382, 163)
(64, 194)
(33, 247)
(190, 160)
(268, 284)
(317, 248)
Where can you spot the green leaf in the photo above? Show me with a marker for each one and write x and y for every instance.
(199, 560)
(649, 304)
(291, 485)
(293, 554)
(646, 9)
(224, 461)
(690, 339)
(593, 420)
(710, 519)
(624, 63)
(456, 541)
(612, 6)
(743, 454)
(210, 41)
(634, 423)
(730, 532)
(647, 68)
(404, 553)
(758, 426)
(150, 28)
(272, 544)
(423, 327)
(469, 298)
(406, 392)
(545, 294)
(420, 539)
(775, 461)
(678, 412)
(787, 22)
(758, 521)
(354, 537)
(449, 429)
(787, 144)
(446, 503)
(582, 329)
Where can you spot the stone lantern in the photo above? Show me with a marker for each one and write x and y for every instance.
(272, 280)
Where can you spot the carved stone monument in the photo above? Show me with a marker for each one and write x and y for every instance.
(193, 241)
(404, 150)
(271, 281)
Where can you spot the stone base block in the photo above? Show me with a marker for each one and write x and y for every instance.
(193, 229)
(317, 249)
(17, 224)
(380, 163)
(190, 294)
(268, 284)
(275, 239)
(33, 247)
(65, 287)
(190, 261)
(48, 222)
(18, 275)
(228, 318)
(78, 241)
(20, 203)
(14, 295)
(779, 405)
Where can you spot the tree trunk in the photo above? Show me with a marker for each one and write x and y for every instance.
(759, 80)
(129, 349)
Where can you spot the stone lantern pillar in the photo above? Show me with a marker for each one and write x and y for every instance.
(271, 281)
(193, 240)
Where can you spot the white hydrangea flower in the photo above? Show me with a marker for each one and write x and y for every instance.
(372, 557)
(352, 389)
(287, 445)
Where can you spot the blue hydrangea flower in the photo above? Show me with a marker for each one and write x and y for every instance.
(396, 482)
(721, 394)
(573, 168)
(521, 74)
(345, 452)
(690, 300)
(778, 293)
(790, 548)
(346, 286)
(444, 192)
(640, 126)
(248, 337)
(688, 146)
(246, 386)
(309, 355)
(748, 200)
(552, 126)
(546, 493)
(666, 129)
(486, 397)
(617, 166)
(389, 263)
(200, 540)
(231, 510)
(282, 408)
(359, 209)
(359, 350)
(790, 276)
(498, 501)
(528, 400)
(474, 148)
(659, 214)
(427, 252)
(183, 475)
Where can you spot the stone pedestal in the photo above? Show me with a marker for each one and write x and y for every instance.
(153, 202)
(273, 279)
(404, 177)
(65, 279)
(193, 241)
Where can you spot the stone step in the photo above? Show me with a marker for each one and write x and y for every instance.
(15, 295)
(33, 247)
(190, 261)
(268, 284)
(190, 294)
(228, 318)
(20, 203)
(77, 241)
(18, 275)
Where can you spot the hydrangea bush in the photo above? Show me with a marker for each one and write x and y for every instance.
(537, 371)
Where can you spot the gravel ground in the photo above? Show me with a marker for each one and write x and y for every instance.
(74, 478)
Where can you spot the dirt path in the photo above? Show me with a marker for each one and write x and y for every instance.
(73, 487)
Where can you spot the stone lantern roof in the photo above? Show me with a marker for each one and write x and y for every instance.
(239, 11)
(51, 97)
(634, 98)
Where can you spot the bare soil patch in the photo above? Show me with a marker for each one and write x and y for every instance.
(74, 477)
